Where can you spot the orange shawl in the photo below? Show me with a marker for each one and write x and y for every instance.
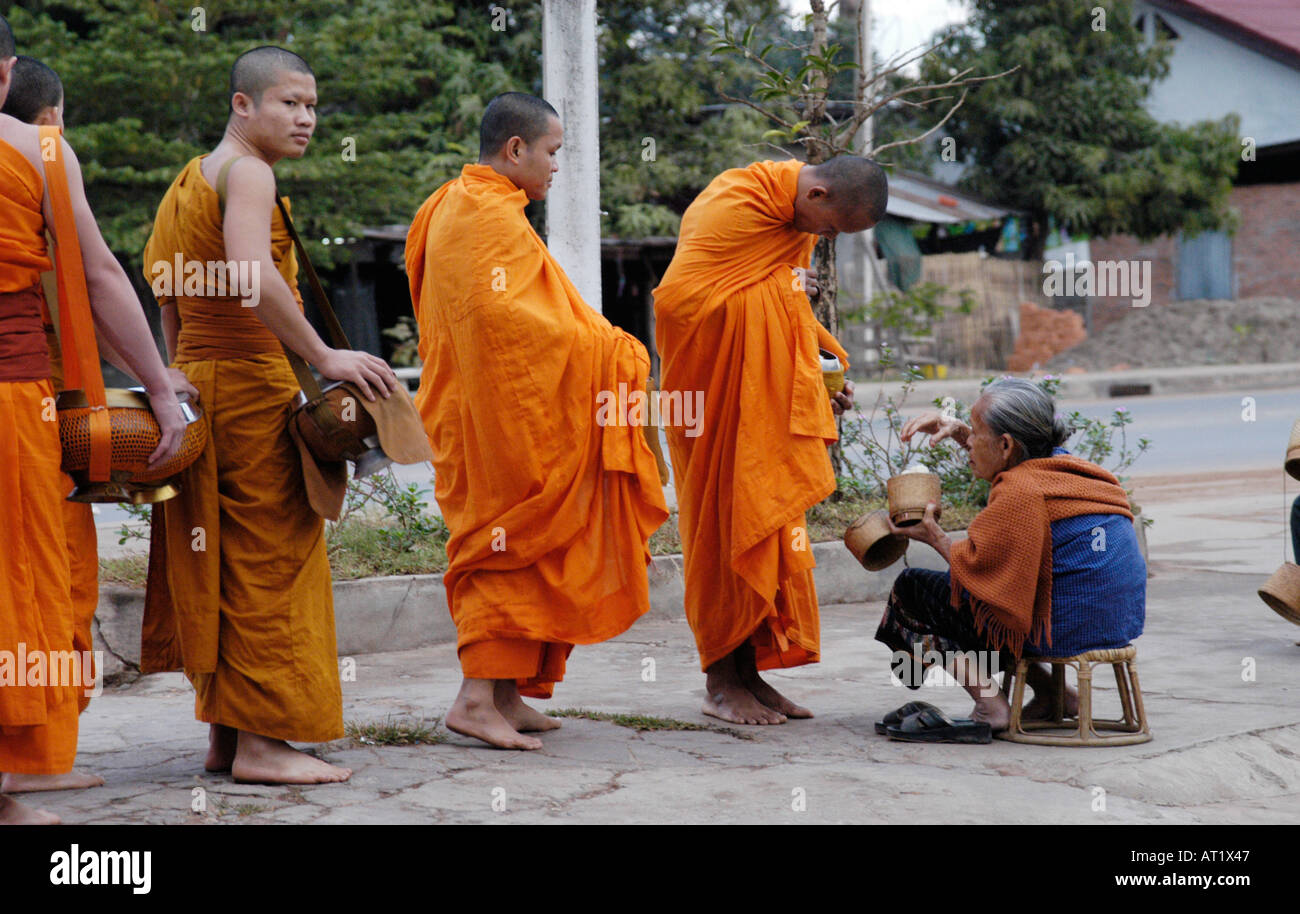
(730, 323)
(550, 511)
(1005, 562)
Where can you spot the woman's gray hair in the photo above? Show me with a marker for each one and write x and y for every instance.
(1023, 410)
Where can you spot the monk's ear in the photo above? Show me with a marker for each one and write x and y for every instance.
(818, 192)
(514, 149)
(241, 104)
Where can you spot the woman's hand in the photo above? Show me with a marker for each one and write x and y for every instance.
(938, 426)
(927, 531)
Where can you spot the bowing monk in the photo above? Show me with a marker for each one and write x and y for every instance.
(239, 589)
(550, 502)
(733, 322)
(38, 715)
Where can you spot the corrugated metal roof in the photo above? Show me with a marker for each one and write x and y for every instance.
(913, 196)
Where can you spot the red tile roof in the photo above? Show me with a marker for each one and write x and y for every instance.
(1273, 24)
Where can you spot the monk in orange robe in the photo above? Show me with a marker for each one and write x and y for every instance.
(551, 493)
(36, 97)
(240, 595)
(38, 712)
(733, 323)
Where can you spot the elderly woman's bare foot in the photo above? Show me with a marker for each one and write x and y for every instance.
(1042, 707)
(992, 711)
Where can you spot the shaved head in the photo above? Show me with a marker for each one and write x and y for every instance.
(855, 185)
(6, 40)
(513, 114)
(33, 87)
(257, 70)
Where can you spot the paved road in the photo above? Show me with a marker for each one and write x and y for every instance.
(1201, 433)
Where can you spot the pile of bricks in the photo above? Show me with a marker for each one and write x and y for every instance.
(1043, 334)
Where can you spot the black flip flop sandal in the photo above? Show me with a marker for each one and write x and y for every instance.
(933, 726)
(898, 715)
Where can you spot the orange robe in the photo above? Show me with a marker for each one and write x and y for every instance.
(550, 508)
(38, 721)
(239, 584)
(729, 321)
(78, 517)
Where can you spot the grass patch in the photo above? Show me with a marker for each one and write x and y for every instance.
(128, 570)
(362, 549)
(395, 733)
(642, 723)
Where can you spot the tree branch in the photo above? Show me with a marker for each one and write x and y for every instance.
(917, 139)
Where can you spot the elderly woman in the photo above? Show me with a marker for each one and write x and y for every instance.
(1051, 567)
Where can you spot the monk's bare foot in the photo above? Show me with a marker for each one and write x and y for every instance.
(35, 783)
(524, 719)
(222, 744)
(747, 670)
(993, 711)
(474, 713)
(260, 760)
(774, 699)
(726, 695)
(14, 813)
(737, 705)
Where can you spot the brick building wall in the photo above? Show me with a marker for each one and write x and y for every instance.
(1265, 252)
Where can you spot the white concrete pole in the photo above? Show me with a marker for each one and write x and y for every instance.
(865, 242)
(570, 83)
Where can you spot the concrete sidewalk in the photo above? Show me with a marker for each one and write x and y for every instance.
(1226, 749)
(1153, 381)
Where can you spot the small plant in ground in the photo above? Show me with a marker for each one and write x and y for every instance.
(393, 732)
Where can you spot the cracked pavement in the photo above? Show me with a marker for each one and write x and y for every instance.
(1226, 749)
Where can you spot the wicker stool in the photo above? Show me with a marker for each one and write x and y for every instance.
(1088, 732)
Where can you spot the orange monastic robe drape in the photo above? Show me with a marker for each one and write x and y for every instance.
(38, 722)
(239, 584)
(731, 322)
(550, 508)
(78, 517)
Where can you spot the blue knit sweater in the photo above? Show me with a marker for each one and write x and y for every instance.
(1099, 584)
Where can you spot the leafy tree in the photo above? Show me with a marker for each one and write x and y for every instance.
(401, 86)
(1067, 135)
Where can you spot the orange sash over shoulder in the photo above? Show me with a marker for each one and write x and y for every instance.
(550, 510)
(731, 322)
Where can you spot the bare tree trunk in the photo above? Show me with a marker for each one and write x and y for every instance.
(825, 306)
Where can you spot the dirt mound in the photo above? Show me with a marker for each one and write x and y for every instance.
(1205, 332)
